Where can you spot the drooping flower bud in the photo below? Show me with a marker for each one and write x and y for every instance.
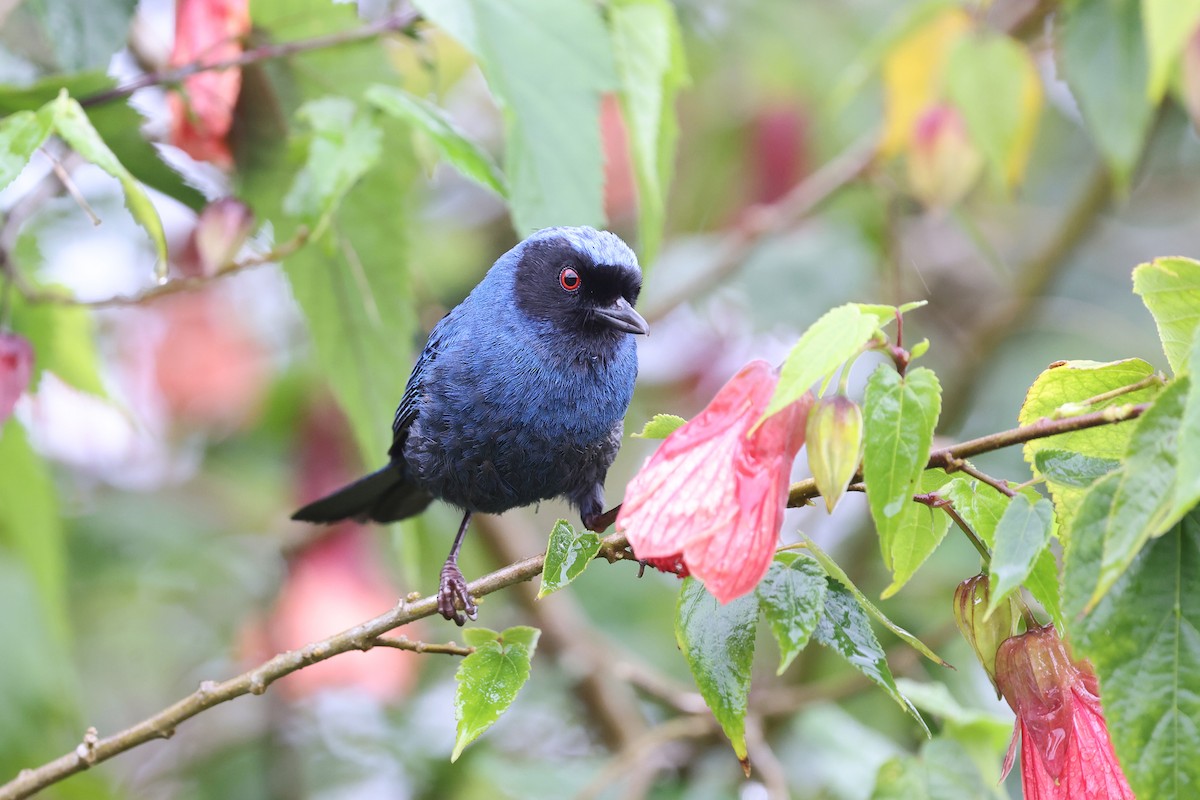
(834, 435)
(222, 227)
(943, 163)
(1191, 77)
(16, 368)
(1066, 750)
(985, 636)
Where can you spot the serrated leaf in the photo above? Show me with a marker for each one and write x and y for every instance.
(30, 526)
(1187, 489)
(717, 641)
(1170, 288)
(548, 62)
(649, 56)
(1143, 639)
(462, 153)
(72, 124)
(660, 426)
(1074, 382)
(1143, 502)
(1168, 24)
(845, 628)
(839, 335)
(1021, 536)
(994, 83)
(567, 555)
(21, 134)
(791, 596)
(900, 414)
(920, 531)
(833, 570)
(1072, 469)
(489, 679)
(1103, 56)
(344, 146)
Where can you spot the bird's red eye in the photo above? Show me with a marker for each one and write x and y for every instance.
(569, 279)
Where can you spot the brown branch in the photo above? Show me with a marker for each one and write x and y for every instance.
(33, 294)
(404, 643)
(396, 22)
(951, 464)
(94, 749)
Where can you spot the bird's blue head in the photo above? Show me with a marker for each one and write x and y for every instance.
(578, 280)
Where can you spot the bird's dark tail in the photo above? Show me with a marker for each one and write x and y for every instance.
(382, 496)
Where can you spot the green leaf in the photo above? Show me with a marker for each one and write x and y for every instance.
(1143, 502)
(994, 83)
(30, 526)
(72, 124)
(489, 679)
(63, 339)
(791, 596)
(833, 570)
(1084, 546)
(717, 641)
(1170, 288)
(900, 414)
(1072, 469)
(1187, 489)
(1143, 639)
(83, 35)
(921, 529)
(838, 336)
(660, 426)
(548, 62)
(1021, 536)
(846, 629)
(462, 153)
(1103, 56)
(345, 145)
(567, 556)
(983, 734)
(1072, 382)
(1168, 25)
(21, 134)
(648, 51)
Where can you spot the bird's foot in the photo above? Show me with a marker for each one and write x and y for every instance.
(452, 592)
(598, 522)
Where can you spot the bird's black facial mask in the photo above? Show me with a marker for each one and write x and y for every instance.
(558, 283)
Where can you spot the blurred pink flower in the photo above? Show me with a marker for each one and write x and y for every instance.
(715, 492)
(1066, 753)
(207, 32)
(16, 368)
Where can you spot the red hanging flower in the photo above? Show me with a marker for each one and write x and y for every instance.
(714, 494)
(16, 368)
(1066, 752)
(207, 32)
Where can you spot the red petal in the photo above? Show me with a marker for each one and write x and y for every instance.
(16, 368)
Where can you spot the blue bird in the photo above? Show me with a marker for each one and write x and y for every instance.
(518, 396)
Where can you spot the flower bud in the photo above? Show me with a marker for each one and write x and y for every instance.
(985, 636)
(221, 229)
(16, 368)
(1191, 77)
(834, 437)
(943, 164)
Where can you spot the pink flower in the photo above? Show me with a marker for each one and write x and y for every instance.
(207, 32)
(1066, 753)
(16, 368)
(714, 493)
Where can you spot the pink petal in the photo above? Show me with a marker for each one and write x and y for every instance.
(16, 368)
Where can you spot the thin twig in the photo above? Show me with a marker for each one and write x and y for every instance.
(404, 643)
(951, 464)
(934, 500)
(65, 179)
(397, 22)
(162, 725)
(33, 294)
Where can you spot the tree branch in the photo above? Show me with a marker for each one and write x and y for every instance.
(392, 24)
(94, 749)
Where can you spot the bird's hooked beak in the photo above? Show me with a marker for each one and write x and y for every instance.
(622, 317)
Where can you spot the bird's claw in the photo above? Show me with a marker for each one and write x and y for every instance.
(452, 592)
